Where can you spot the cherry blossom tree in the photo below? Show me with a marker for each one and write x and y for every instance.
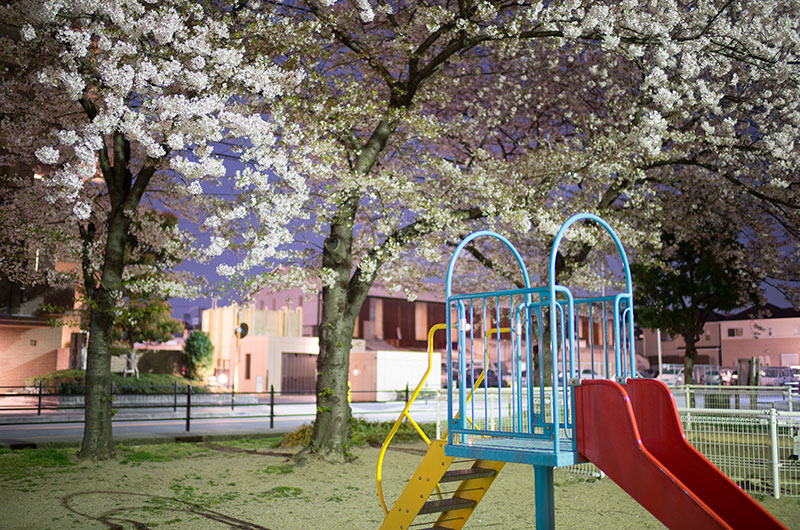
(123, 104)
(419, 122)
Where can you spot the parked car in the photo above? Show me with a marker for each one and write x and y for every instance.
(778, 376)
(671, 375)
(711, 377)
(588, 373)
(492, 378)
(445, 380)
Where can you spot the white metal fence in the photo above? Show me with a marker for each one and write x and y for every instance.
(751, 433)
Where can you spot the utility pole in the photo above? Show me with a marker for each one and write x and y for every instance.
(658, 341)
(237, 332)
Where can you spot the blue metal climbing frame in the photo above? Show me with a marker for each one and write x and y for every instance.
(510, 416)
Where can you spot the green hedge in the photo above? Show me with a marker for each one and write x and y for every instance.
(74, 381)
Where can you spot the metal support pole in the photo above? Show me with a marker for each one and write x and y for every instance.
(271, 406)
(439, 415)
(175, 398)
(188, 406)
(544, 493)
(773, 443)
(39, 408)
(406, 392)
(233, 398)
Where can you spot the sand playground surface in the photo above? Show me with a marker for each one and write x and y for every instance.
(246, 484)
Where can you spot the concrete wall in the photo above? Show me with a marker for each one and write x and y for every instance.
(396, 369)
(29, 348)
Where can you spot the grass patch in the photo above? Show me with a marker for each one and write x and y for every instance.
(270, 442)
(363, 433)
(284, 469)
(136, 455)
(282, 492)
(15, 464)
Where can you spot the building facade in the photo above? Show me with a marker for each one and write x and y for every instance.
(770, 333)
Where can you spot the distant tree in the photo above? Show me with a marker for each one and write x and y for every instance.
(694, 279)
(144, 320)
(197, 354)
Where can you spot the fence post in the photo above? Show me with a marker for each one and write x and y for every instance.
(789, 390)
(175, 395)
(39, 409)
(188, 405)
(233, 398)
(406, 392)
(271, 406)
(773, 442)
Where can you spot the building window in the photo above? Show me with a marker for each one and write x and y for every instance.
(735, 332)
(247, 366)
(33, 342)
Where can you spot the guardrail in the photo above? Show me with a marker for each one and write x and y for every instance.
(20, 405)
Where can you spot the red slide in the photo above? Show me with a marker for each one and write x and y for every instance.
(634, 435)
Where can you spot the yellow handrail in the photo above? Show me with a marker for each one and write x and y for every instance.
(405, 414)
(413, 397)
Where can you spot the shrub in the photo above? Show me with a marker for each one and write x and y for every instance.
(198, 354)
(73, 382)
(364, 433)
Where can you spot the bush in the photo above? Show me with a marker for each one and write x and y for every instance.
(74, 382)
(198, 354)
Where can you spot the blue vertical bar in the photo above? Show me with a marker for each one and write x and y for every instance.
(605, 340)
(544, 497)
(485, 326)
(472, 356)
(462, 367)
(618, 339)
(450, 382)
(578, 339)
(591, 336)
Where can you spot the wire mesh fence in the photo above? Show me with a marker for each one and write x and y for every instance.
(752, 434)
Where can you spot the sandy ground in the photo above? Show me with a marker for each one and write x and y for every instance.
(249, 486)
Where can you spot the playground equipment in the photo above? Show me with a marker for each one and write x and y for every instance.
(551, 416)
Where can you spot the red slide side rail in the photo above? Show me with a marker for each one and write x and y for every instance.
(608, 435)
(663, 436)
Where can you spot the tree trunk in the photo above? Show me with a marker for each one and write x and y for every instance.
(341, 303)
(332, 433)
(98, 442)
(690, 359)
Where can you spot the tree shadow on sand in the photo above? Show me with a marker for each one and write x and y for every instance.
(121, 517)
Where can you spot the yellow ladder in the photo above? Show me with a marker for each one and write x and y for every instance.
(435, 470)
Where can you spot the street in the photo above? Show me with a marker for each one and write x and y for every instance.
(59, 427)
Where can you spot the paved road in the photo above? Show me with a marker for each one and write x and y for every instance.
(25, 428)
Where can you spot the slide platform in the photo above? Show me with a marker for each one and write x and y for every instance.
(634, 434)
